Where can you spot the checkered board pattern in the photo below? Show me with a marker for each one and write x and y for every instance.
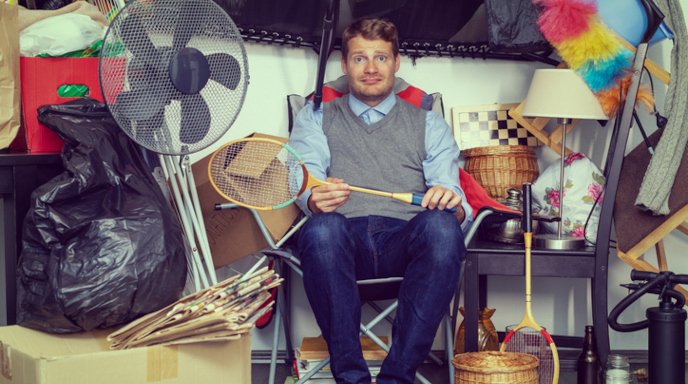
(485, 125)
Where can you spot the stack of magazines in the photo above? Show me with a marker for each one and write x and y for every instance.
(224, 311)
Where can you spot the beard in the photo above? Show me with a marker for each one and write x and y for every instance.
(374, 93)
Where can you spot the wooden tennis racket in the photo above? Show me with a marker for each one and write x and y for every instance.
(528, 337)
(265, 174)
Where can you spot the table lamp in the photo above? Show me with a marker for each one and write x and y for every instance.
(564, 95)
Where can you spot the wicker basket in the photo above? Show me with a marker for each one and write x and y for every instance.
(495, 367)
(500, 167)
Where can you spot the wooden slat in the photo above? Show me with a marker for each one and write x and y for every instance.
(683, 227)
(658, 234)
(651, 66)
(515, 113)
(661, 256)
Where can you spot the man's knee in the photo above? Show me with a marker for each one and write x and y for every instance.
(440, 225)
(324, 227)
(324, 238)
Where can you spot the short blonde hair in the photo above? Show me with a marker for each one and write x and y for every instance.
(371, 29)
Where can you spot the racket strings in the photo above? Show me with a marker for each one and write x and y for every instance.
(531, 341)
(256, 173)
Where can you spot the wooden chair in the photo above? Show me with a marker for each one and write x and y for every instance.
(638, 231)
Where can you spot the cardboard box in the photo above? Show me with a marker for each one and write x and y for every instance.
(40, 79)
(233, 233)
(34, 357)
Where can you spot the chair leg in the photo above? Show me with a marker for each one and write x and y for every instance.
(431, 355)
(599, 316)
(449, 345)
(275, 344)
(365, 329)
(313, 371)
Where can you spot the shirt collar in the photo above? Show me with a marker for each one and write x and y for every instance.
(358, 107)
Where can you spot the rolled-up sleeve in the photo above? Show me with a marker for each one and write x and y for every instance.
(309, 141)
(441, 165)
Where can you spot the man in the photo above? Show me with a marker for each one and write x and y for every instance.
(373, 139)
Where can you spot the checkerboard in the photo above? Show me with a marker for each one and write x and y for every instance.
(485, 125)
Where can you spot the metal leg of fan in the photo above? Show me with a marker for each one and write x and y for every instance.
(191, 194)
(197, 270)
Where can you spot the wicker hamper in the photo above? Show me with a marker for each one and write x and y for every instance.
(500, 167)
(495, 367)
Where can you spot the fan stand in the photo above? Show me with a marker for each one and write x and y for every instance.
(178, 172)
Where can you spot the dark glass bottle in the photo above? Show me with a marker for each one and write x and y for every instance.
(588, 361)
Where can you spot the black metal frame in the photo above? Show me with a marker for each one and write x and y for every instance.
(493, 259)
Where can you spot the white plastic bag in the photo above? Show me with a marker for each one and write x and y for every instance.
(60, 34)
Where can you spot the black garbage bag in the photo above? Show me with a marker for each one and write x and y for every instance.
(512, 27)
(101, 244)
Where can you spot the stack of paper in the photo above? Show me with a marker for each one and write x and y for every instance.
(224, 311)
(314, 350)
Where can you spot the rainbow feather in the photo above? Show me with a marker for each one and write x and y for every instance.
(576, 32)
(561, 20)
(603, 74)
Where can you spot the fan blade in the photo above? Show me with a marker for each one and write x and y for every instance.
(225, 69)
(195, 119)
(136, 39)
(147, 130)
(186, 26)
(138, 73)
(139, 104)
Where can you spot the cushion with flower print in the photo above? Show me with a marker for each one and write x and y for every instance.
(583, 192)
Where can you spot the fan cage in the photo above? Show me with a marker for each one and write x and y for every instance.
(154, 114)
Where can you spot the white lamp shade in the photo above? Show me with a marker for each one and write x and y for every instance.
(561, 93)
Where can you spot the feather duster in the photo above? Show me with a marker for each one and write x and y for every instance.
(576, 32)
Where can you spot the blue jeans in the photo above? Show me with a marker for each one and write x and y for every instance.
(335, 252)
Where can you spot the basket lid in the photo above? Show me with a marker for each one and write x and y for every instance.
(493, 361)
(499, 150)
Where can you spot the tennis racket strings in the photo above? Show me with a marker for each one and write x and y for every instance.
(257, 173)
(533, 342)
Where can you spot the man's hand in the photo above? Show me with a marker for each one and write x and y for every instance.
(443, 198)
(328, 197)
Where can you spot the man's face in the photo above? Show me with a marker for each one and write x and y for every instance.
(370, 66)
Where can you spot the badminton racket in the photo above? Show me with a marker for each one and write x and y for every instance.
(528, 337)
(265, 174)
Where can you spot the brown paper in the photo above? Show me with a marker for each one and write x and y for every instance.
(10, 84)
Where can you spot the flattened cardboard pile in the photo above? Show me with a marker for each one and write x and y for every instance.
(225, 311)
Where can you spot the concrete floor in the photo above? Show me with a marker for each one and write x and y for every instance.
(436, 374)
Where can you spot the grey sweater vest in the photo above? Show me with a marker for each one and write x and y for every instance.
(386, 156)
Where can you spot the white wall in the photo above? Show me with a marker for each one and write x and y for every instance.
(560, 305)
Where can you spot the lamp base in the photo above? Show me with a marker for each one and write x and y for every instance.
(553, 241)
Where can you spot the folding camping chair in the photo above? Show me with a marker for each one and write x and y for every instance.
(372, 290)
(369, 290)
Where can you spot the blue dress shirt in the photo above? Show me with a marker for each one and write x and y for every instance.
(440, 167)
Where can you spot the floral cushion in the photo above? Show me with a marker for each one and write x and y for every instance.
(584, 183)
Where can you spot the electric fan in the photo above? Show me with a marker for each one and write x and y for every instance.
(174, 75)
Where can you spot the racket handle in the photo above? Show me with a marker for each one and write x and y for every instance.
(527, 208)
(417, 198)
